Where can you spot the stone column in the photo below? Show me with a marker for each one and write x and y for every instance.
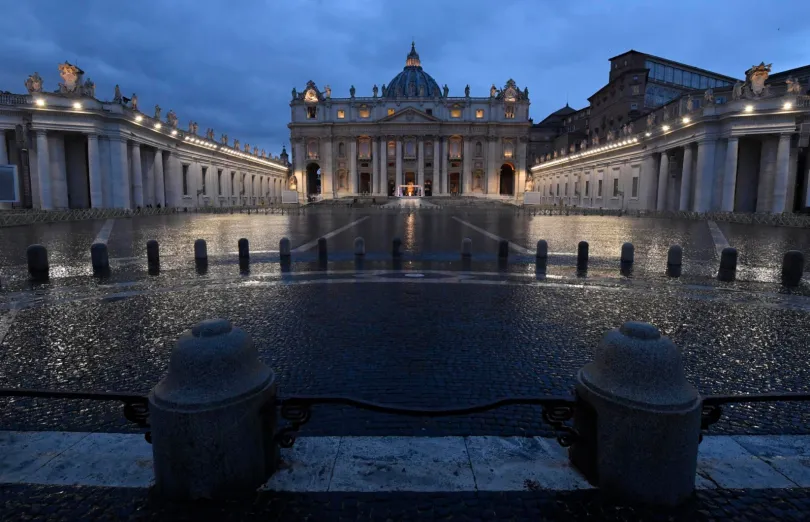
(353, 166)
(398, 178)
(3, 148)
(44, 170)
(520, 175)
(466, 166)
(686, 178)
(149, 179)
(420, 164)
(437, 154)
(137, 176)
(704, 180)
(779, 203)
(94, 172)
(806, 198)
(492, 173)
(730, 174)
(445, 165)
(648, 182)
(375, 166)
(382, 158)
(663, 175)
(119, 155)
(327, 171)
(160, 181)
(58, 170)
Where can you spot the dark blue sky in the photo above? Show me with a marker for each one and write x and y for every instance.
(232, 65)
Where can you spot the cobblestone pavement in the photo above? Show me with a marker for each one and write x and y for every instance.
(69, 504)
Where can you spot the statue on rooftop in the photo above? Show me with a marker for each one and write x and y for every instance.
(294, 94)
(467, 91)
(374, 90)
(71, 78)
(255, 151)
(34, 83)
(650, 120)
(351, 91)
(264, 154)
(794, 87)
(737, 91)
(117, 97)
(708, 96)
(224, 139)
(446, 90)
(690, 104)
(134, 101)
(493, 91)
(328, 90)
(236, 144)
(247, 148)
(88, 88)
(171, 119)
(157, 112)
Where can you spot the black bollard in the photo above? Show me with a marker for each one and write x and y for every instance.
(395, 247)
(728, 265)
(322, 253)
(99, 258)
(582, 257)
(38, 267)
(244, 248)
(792, 268)
(674, 259)
(541, 257)
(152, 252)
(284, 248)
(627, 258)
(466, 247)
(503, 249)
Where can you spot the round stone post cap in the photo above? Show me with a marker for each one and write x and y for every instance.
(212, 364)
(636, 365)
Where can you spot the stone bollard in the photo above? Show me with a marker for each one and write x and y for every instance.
(466, 247)
(582, 256)
(200, 250)
(674, 259)
(38, 267)
(541, 257)
(396, 244)
(728, 265)
(359, 246)
(152, 252)
(503, 249)
(792, 268)
(99, 257)
(638, 418)
(628, 253)
(213, 416)
(284, 248)
(244, 248)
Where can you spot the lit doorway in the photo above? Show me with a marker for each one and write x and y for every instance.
(507, 187)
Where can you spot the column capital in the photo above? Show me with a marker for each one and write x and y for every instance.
(42, 132)
(785, 135)
(733, 138)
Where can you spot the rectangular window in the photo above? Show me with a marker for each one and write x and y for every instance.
(479, 113)
(587, 187)
(636, 90)
(455, 113)
(391, 112)
(219, 182)
(695, 81)
(311, 112)
(364, 112)
(659, 72)
(185, 180)
(565, 189)
(678, 79)
(599, 189)
(341, 114)
(204, 175)
(429, 112)
(634, 192)
(687, 79)
(392, 149)
(558, 189)
(668, 74)
(615, 187)
(576, 188)
(704, 82)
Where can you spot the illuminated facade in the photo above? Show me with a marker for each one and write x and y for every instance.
(409, 138)
(68, 149)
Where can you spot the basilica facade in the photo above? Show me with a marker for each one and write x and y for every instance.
(409, 138)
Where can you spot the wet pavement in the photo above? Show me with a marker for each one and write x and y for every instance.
(427, 330)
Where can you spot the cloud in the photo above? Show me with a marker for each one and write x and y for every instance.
(232, 65)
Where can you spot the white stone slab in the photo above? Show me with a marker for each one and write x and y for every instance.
(24, 452)
(367, 464)
(100, 459)
(788, 454)
(730, 466)
(515, 463)
(307, 466)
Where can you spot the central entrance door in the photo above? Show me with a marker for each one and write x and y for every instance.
(454, 183)
(410, 181)
(365, 183)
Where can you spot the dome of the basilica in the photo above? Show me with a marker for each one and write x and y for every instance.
(412, 82)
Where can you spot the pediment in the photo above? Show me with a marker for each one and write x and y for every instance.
(409, 115)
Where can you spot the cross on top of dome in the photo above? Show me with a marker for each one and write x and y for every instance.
(413, 57)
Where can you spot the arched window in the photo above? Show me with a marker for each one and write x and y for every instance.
(478, 149)
(508, 149)
(312, 149)
(341, 150)
(410, 149)
(364, 151)
(392, 149)
(455, 148)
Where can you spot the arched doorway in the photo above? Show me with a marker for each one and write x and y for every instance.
(454, 183)
(507, 187)
(365, 183)
(313, 179)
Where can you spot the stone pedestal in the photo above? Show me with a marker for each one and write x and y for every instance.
(639, 419)
(213, 416)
